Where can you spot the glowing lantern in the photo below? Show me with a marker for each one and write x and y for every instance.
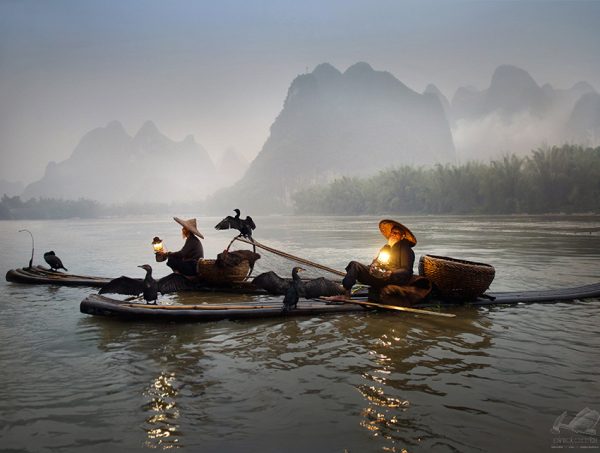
(379, 267)
(384, 257)
(160, 251)
(157, 244)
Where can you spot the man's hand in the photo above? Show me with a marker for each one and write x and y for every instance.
(162, 256)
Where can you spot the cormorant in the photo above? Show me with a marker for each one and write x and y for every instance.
(244, 226)
(317, 287)
(148, 286)
(54, 261)
(295, 290)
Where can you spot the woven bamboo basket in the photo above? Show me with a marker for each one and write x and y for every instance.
(209, 271)
(457, 279)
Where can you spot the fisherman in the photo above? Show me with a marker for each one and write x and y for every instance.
(185, 260)
(393, 265)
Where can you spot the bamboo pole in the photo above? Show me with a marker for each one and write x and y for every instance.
(394, 307)
(336, 272)
(293, 257)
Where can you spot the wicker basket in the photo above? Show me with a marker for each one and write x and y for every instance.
(209, 271)
(457, 279)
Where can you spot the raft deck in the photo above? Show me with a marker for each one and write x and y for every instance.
(99, 305)
(39, 275)
(96, 304)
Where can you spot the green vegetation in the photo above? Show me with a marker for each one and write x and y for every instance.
(13, 208)
(558, 179)
(47, 208)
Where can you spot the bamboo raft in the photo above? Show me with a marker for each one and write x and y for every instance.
(105, 306)
(99, 305)
(40, 275)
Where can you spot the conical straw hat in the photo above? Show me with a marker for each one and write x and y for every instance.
(386, 225)
(189, 225)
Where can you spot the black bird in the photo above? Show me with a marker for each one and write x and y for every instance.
(53, 261)
(295, 290)
(244, 226)
(148, 287)
(317, 287)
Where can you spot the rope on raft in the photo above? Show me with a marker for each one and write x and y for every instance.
(291, 257)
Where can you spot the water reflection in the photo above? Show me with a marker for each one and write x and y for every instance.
(357, 382)
(175, 352)
(161, 424)
(418, 358)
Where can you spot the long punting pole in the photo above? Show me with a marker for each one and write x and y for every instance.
(292, 257)
(395, 307)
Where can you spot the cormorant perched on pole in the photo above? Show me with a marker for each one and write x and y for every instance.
(296, 289)
(148, 287)
(244, 226)
(54, 261)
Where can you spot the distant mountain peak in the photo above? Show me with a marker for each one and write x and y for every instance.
(131, 166)
(148, 129)
(326, 70)
(513, 90)
(115, 126)
(432, 90)
(509, 76)
(363, 122)
(359, 69)
(362, 76)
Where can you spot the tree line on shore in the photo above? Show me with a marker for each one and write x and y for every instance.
(558, 179)
(551, 180)
(13, 208)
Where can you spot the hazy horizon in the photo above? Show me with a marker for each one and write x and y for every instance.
(221, 71)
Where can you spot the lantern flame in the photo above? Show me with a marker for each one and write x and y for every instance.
(384, 257)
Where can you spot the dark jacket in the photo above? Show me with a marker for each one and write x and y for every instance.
(402, 260)
(191, 250)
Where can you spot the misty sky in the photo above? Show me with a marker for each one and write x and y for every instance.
(220, 70)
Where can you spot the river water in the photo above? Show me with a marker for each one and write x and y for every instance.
(491, 379)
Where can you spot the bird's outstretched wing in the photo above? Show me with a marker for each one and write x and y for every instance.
(175, 282)
(272, 283)
(250, 222)
(124, 285)
(227, 223)
(321, 287)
